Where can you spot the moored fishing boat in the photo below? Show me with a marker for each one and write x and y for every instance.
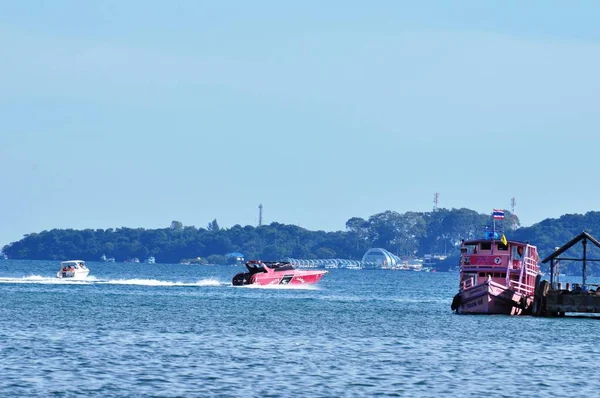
(497, 276)
(275, 273)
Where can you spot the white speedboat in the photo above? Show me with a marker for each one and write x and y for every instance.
(75, 269)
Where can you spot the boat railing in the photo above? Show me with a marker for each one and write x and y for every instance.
(531, 265)
(485, 266)
(520, 287)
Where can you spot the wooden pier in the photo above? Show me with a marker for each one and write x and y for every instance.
(552, 298)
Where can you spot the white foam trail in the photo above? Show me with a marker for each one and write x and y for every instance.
(286, 287)
(156, 282)
(38, 279)
(142, 282)
(210, 282)
(44, 280)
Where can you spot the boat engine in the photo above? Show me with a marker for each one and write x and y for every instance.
(241, 279)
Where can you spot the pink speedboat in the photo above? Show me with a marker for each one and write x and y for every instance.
(275, 273)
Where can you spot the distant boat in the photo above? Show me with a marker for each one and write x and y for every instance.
(150, 260)
(497, 276)
(75, 269)
(353, 266)
(107, 260)
(275, 273)
(132, 260)
(3, 256)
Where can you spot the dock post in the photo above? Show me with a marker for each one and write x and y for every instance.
(584, 277)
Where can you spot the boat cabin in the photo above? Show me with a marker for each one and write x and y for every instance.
(72, 265)
(510, 263)
(255, 267)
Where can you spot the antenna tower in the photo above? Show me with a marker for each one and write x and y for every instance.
(435, 201)
(260, 214)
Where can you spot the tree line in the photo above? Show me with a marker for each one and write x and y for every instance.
(404, 234)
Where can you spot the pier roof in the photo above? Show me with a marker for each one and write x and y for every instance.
(571, 243)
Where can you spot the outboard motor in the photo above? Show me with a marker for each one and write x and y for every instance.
(243, 278)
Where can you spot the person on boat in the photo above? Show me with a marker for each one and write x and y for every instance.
(520, 251)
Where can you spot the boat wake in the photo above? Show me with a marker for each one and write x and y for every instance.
(284, 287)
(44, 280)
(92, 280)
(155, 282)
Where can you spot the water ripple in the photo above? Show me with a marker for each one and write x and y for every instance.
(183, 331)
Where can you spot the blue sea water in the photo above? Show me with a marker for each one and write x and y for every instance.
(181, 330)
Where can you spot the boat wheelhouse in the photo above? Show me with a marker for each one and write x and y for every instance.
(497, 276)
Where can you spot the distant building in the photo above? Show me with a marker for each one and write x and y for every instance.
(234, 257)
(380, 258)
(430, 260)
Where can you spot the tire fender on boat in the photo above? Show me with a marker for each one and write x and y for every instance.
(539, 296)
(456, 301)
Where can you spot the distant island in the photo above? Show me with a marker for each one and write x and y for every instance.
(410, 234)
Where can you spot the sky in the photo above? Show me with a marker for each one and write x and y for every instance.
(138, 113)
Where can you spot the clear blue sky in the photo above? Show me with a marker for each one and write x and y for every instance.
(138, 113)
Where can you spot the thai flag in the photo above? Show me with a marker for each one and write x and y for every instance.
(498, 214)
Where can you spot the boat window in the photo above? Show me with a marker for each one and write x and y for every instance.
(486, 245)
(502, 246)
(287, 267)
(517, 252)
(482, 274)
(470, 249)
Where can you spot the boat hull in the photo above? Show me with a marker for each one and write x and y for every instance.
(288, 278)
(294, 277)
(492, 298)
(79, 274)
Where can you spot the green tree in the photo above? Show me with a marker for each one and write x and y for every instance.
(176, 226)
(213, 226)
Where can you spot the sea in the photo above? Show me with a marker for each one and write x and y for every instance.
(173, 330)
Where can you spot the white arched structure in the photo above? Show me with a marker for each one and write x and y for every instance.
(380, 258)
